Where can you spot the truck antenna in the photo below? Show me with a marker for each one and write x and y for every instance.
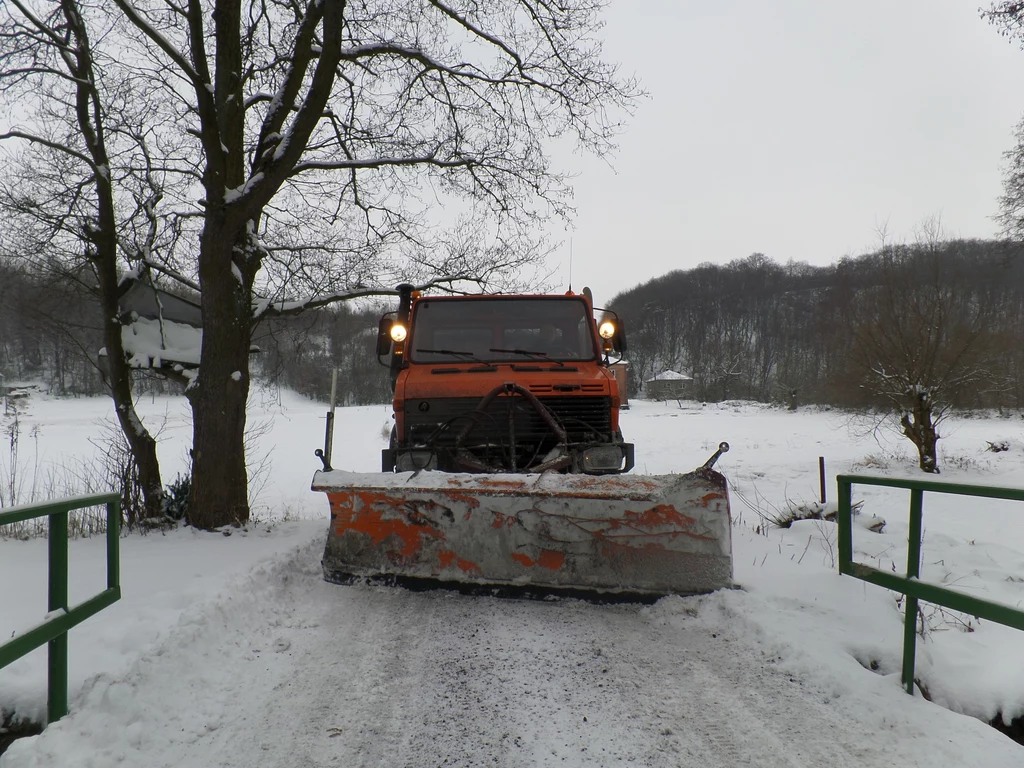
(570, 265)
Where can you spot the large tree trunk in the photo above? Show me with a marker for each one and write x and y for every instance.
(919, 427)
(219, 494)
(220, 485)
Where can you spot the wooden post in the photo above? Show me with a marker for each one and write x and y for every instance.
(329, 437)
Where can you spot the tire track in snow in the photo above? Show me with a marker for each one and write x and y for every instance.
(390, 678)
(713, 699)
(436, 679)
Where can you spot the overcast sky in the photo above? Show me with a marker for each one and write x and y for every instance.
(794, 128)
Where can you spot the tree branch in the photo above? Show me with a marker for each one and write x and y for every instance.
(52, 145)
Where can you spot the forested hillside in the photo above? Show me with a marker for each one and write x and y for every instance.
(757, 329)
(750, 329)
(49, 332)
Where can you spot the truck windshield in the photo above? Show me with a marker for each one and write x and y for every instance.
(556, 328)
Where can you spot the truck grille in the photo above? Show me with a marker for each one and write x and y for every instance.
(584, 418)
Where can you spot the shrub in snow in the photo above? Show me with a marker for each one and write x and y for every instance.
(784, 517)
(13, 727)
(176, 497)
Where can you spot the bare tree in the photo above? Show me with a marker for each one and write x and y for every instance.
(1008, 18)
(60, 192)
(308, 143)
(347, 113)
(1011, 202)
(919, 341)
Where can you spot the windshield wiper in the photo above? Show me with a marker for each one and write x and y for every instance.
(528, 353)
(453, 352)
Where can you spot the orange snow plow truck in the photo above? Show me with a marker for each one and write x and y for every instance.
(506, 466)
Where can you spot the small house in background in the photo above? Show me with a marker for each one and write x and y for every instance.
(669, 385)
(159, 330)
(620, 369)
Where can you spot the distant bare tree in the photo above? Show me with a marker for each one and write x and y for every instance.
(919, 341)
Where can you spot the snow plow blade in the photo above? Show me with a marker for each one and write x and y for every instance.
(639, 534)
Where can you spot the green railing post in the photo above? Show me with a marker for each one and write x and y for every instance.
(845, 498)
(114, 544)
(913, 572)
(57, 648)
(53, 630)
(911, 585)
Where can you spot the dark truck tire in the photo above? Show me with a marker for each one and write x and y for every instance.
(387, 456)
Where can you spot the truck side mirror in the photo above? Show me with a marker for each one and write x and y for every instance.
(384, 335)
(619, 340)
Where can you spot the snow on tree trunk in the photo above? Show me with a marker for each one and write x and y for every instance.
(920, 427)
(140, 441)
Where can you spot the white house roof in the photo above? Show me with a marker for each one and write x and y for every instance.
(671, 376)
(149, 343)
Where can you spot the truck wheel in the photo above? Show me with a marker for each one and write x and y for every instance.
(387, 456)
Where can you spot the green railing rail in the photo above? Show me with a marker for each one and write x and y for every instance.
(910, 585)
(60, 618)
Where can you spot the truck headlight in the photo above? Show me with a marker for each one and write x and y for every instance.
(602, 458)
(411, 461)
(606, 330)
(398, 332)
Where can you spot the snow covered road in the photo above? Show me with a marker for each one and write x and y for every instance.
(291, 671)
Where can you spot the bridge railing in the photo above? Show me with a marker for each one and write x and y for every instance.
(911, 585)
(60, 618)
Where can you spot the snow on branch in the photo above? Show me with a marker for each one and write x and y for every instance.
(266, 308)
(381, 162)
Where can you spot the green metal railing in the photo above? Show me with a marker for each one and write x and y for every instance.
(60, 618)
(910, 585)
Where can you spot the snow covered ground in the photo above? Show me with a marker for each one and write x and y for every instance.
(232, 651)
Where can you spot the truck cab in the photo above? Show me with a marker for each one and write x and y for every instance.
(496, 383)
